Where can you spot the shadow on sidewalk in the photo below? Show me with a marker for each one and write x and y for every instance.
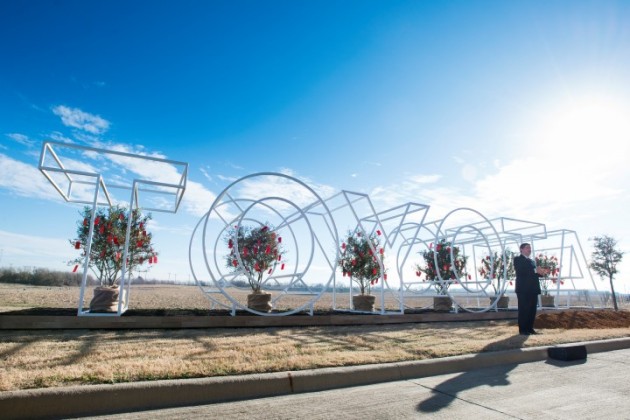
(447, 392)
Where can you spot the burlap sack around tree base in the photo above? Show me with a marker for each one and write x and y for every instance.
(363, 302)
(105, 299)
(260, 302)
(503, 303)
(547, 301)
(442, 303)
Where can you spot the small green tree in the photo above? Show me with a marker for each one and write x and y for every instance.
(492, 267)
(604, 260)
(259, 249)
(444, 267)
(108, 241)
(359, 261)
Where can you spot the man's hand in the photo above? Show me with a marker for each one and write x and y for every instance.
(542, 271)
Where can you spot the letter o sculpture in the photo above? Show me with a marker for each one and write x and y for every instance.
(304, 246)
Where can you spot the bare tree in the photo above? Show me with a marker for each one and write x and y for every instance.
(604, 260)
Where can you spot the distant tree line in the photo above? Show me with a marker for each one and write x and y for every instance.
(44, 277)
(41, 277)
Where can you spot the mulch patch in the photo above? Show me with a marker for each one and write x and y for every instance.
(185, 312)
(590, 319)
(570, 319)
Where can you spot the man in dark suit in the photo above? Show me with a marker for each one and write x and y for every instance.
(527, 289)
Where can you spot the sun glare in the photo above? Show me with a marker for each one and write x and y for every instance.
(588, 128)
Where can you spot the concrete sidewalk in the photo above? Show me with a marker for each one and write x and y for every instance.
(437, 386)
(595, 389)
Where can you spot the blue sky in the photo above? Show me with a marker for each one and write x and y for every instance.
(516, 109)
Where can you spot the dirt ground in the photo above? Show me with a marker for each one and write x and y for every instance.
(165, 300)
(573, 319)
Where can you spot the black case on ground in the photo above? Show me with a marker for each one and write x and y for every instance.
(567, 353)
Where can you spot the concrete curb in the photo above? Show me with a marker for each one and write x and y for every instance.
(108, 399)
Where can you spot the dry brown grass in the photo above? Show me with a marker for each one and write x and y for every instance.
(32, 359)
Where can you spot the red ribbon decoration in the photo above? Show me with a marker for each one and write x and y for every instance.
(155, 259)
(77, 245)
(256, 267)
(268, 249)
(235, 263)
(343, 245)
(418, 273)
(245, 252)
(382, 251)
(139, 244)
(230, 244)
(374, 271)
(282, 266)
(85, 222)
(378, 232)
(269, 272)
(74, 270)
(101, 230)
(279, 239)
(97, 221)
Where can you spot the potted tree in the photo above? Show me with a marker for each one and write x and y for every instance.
(359, 261)
(492, 268)
(551, 264)
(254, 252)
(451, 265)
(107, 251)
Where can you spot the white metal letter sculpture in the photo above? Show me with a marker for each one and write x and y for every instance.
(271, 232)
(265, 232)
(92, 176)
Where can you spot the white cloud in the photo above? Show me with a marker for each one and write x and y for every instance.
(74, 117)
(206, 174)
(277, 186)
(540, 189)
(227, 178)
(57, 136)
(197, 199)
(425, 179)
(24, 180)
(25, 250)
(21, 138)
